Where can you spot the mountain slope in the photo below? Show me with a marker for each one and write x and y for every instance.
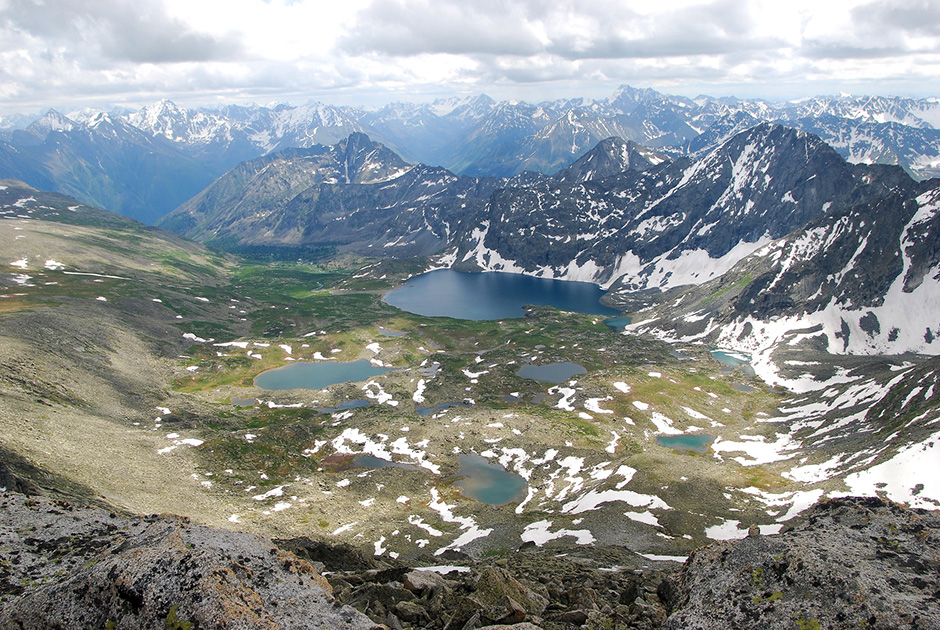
(106, 162)
(862, 279)
(263, 186)
(357, 195)
(609, 158)
(675, 224)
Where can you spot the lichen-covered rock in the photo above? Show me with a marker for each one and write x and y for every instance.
(421, 582)
(495, 585)
(83, 567)
(854, 563)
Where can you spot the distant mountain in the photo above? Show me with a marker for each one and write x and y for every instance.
(356, 194)
(680, 223)
(105, 162)
(481, 137)
(609, 158)
(263, 187)
(147, 162)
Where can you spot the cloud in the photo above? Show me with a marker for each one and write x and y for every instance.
(54, 52)
(399, 28)
(879, 30)
(100, 31)
(835, 50)
(582, 29)
(914, 17)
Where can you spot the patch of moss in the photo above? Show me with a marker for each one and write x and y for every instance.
(173, 622)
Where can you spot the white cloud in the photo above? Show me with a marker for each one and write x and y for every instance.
(123, 52)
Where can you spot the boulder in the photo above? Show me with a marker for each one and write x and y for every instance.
(494, 585)
(422, 582)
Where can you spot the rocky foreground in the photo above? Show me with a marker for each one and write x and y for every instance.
(851, 563)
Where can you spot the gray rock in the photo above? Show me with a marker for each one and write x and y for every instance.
(421, 582)
(853, 563)
(83, 567)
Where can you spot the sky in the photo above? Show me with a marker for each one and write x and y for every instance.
(101, 54)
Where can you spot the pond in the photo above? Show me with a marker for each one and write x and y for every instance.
(617, 324)
(551, 373)
(340, 462)
(487, 482)
(377, 463)
(735, 360)
(388, 332)
(681, 355)
(492, 295)
(317, 375)
(697, 442)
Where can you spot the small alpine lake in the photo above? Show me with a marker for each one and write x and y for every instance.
(735, 360)
(617, 324)
(492, 295)
(317, 375)
(487, 482)
(697, 442)
(551, 373)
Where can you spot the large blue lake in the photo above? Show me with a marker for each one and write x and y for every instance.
(492, 295)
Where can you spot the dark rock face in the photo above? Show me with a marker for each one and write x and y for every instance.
(340, 557)
(762, 183)
(854, 563)
(77, 567)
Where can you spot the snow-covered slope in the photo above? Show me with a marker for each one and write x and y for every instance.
(861, 279)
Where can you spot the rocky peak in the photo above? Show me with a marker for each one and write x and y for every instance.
(51, 121)
(364, 161)
(853, 563)
(610, 157)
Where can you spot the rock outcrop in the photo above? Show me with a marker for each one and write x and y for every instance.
(853, 563)
(65, 566)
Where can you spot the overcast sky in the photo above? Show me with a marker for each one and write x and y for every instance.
(102, 53)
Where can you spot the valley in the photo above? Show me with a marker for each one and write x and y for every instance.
(131, 373)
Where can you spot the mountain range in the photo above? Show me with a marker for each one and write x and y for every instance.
(154, 159)
(763, 239)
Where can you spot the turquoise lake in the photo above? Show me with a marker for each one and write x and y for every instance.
(317, 375)
(617, 324)
(487, 482)
(697, 442)
(735, 360)
(492, 295)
